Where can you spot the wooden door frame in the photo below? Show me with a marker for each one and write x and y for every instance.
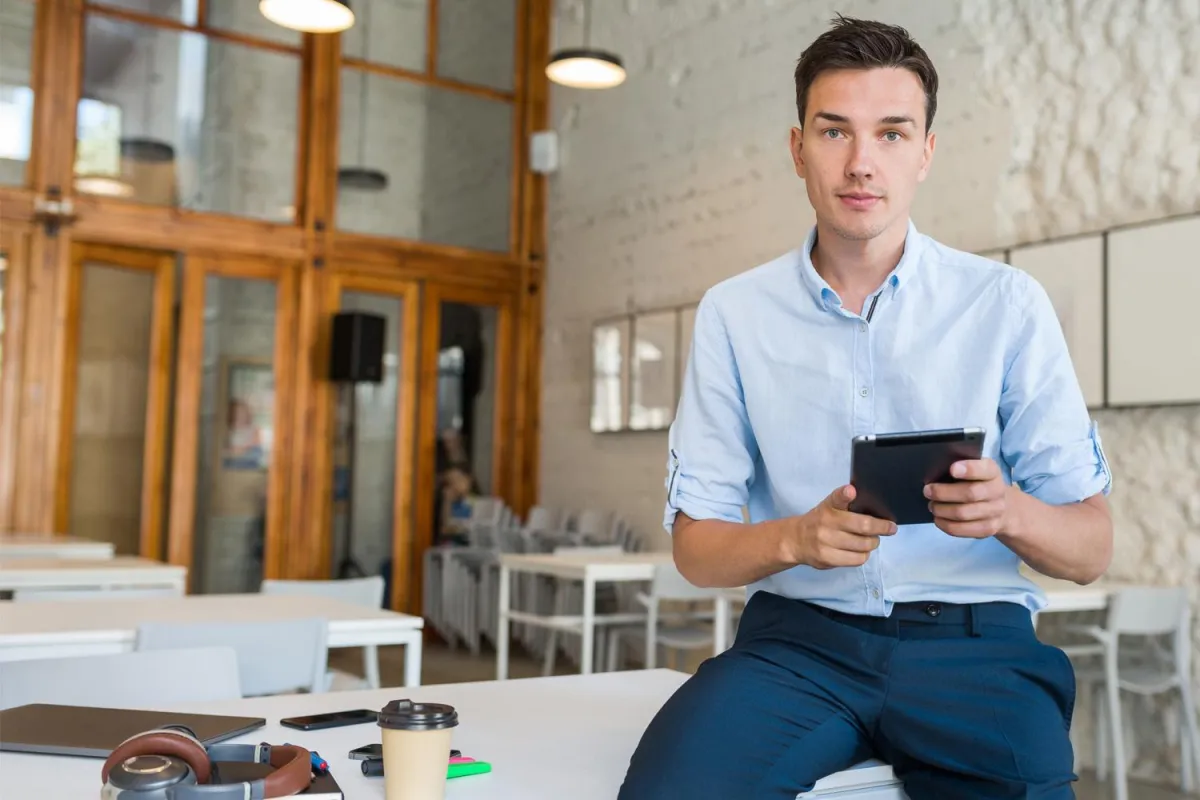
(161, 265)
(346, 277)
(16, 244)
(181, 529)
(505, 303)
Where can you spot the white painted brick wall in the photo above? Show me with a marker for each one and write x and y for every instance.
(1055, 117)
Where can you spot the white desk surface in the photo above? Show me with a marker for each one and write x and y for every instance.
(45, 545)
(599, 566)
(36, 629)
(70, 573)
(546, 738)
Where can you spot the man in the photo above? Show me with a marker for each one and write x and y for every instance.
(859, 640)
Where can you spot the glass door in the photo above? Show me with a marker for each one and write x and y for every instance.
(120, 328)
(372, 440)
(230, 447)
(468, 370)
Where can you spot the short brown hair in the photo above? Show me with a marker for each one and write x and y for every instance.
(865, 44)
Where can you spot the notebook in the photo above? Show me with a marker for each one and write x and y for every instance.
(323, 787)
(96, 732)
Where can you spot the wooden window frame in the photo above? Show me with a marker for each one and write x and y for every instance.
(15, 244)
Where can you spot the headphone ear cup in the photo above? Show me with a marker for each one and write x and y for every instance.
(162, 742)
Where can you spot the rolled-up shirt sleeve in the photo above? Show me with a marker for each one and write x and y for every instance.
(712, 450)
(1048, 439)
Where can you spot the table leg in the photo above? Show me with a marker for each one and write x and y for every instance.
(721, 609)
(412, 659)
(589, 625)
(503, 606)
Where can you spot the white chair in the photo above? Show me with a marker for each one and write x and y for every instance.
(151, 680)
(367, 592)
(1139, 664)
(55, 595)
(567, 606)
(675, 631)
(273, 657)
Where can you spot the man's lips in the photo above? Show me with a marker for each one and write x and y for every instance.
(858, 200)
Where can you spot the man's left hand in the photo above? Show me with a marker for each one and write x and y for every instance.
(974, 507)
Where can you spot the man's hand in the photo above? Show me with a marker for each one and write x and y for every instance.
(975, 507)
(832, 536)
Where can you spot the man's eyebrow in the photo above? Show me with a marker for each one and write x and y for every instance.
(895, 119)
(899, 120)
(830, 116)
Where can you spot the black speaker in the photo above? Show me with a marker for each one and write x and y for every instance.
(358, 341)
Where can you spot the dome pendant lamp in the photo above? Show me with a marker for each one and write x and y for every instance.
(309, 16)
(586, 67)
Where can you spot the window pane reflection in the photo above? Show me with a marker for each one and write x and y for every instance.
(442, 161)
(16, 94)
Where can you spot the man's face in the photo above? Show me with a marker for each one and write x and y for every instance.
(863, 149)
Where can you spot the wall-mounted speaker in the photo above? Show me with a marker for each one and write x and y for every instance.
(358, 346)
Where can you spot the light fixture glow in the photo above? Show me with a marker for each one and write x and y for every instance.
(309, 16)
(586, 68)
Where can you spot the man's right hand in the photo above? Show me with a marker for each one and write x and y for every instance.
(833, 536)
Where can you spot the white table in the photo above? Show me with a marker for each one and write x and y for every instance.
(44, 545)
(590, 568)
(546, 738)
(80, 573)
(95, 627)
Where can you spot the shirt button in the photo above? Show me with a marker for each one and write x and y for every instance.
(933, 609)
(864, 391)
(863, 327)
(875, 593)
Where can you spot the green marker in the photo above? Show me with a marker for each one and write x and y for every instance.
(468, 768)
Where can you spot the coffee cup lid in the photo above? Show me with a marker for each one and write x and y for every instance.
(405, 715)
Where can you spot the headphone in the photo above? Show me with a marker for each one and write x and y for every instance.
(170, 763)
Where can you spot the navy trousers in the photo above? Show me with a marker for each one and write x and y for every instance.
(962, 700)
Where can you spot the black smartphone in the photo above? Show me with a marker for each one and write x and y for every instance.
(372, 752)
(366, 752)
(334, 719)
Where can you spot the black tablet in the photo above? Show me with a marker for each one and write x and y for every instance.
(889, 470)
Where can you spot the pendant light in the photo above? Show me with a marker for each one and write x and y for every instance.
(363, 178)
(586, 67)
(309, 16)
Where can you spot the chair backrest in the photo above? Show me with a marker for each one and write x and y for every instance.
(543, 519)
(273, 657)
(1147, 610)
(153, 680)
(55, 595)
(669, 584)
(596, 524)
(360, 591)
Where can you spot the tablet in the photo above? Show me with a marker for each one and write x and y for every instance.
(889, 470)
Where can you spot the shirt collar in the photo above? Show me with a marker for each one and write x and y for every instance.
(824, 295)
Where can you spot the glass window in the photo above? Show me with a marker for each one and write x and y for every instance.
(16, 94)
(243, 17)
(427, 163)
(389, 32)
(364, 453)
(202, 123)
(237, 430)
(116, 315)
(476, 39)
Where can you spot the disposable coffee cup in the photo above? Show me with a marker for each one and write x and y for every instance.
(416, 738)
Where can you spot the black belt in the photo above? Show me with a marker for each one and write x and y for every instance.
(970, 615)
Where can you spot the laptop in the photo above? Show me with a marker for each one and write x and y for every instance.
(96, 732)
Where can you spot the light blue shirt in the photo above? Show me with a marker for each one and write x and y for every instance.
(781, 377)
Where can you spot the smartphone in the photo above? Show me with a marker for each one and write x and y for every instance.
(335, 719)
(373, 752)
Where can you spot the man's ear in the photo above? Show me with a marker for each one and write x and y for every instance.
(927, 156)
(796, 143)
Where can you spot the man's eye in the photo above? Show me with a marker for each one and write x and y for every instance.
(892, 136)
(832, 133)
